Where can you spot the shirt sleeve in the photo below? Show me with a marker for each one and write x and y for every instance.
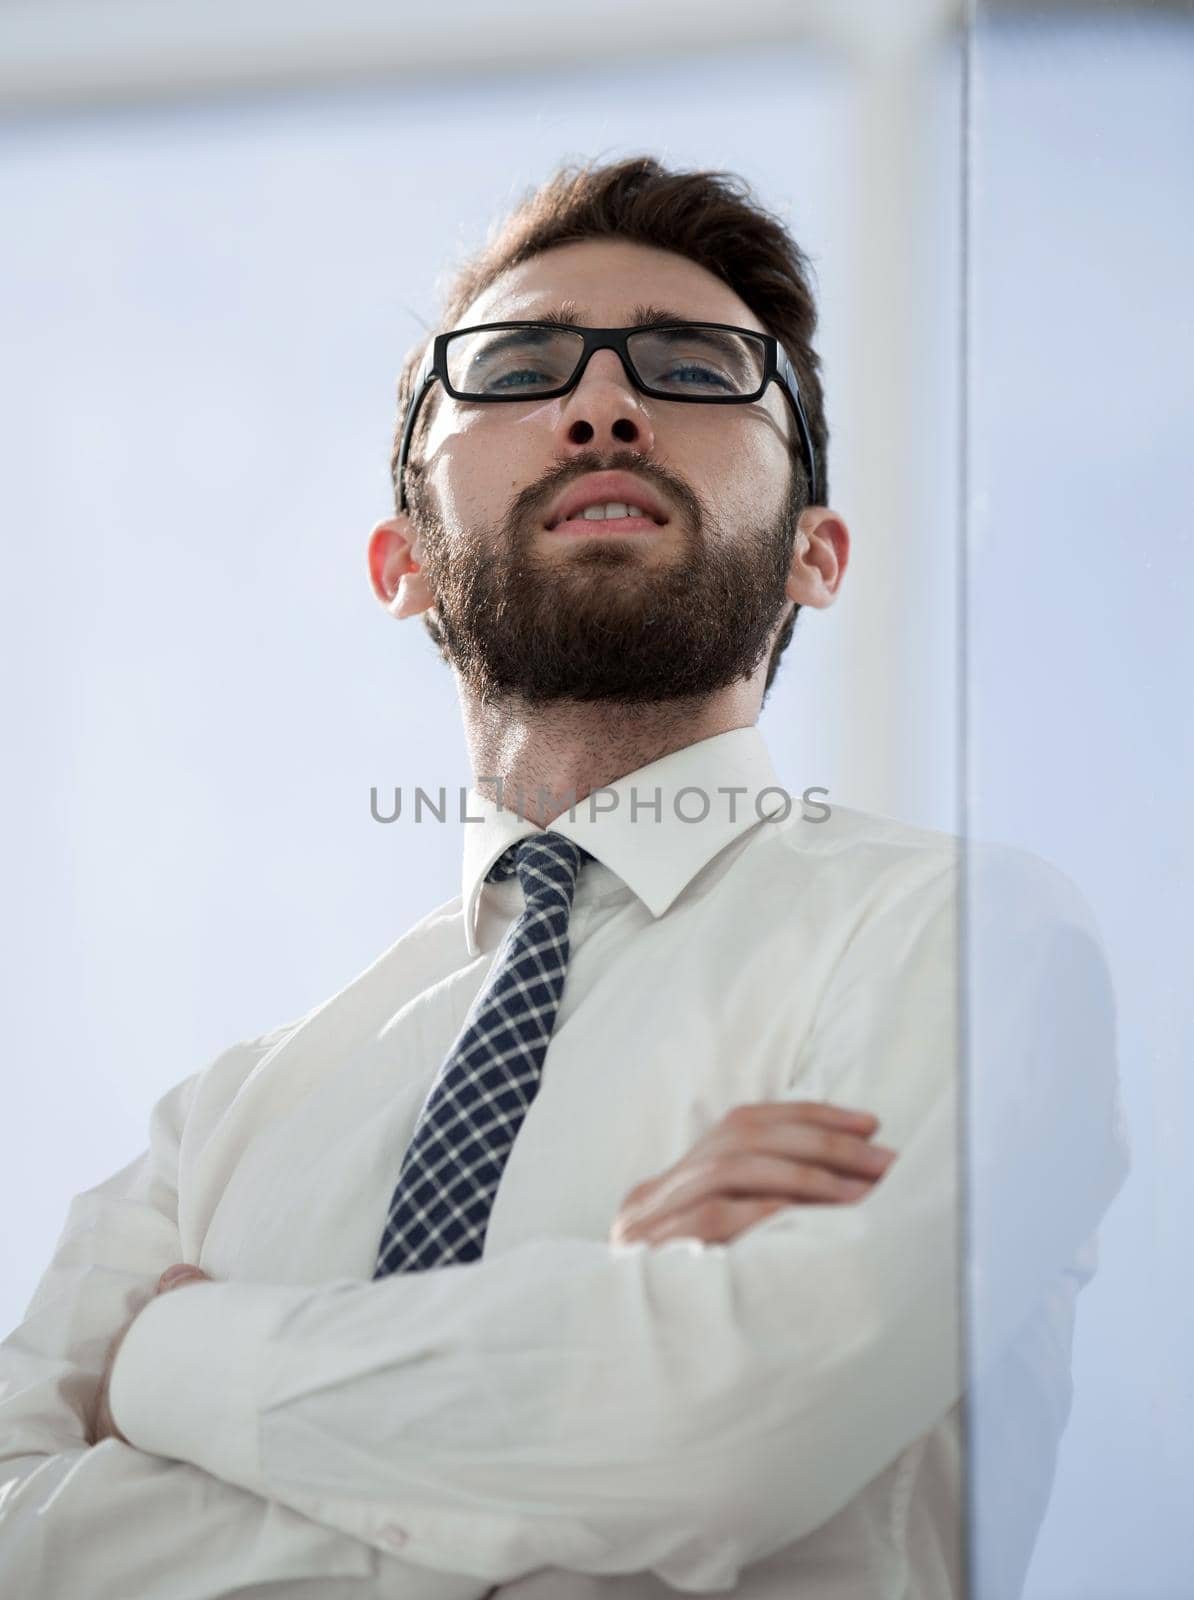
(108, 1521)
(683, 1409)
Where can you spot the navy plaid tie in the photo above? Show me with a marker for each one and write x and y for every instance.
(453, 1164)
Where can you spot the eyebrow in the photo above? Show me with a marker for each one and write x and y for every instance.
(646, 316)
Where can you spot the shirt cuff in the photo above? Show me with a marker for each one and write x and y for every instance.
(187, 1382)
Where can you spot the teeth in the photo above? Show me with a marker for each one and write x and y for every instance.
(605, 513)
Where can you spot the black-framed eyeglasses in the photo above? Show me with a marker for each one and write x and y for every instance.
(709, 363)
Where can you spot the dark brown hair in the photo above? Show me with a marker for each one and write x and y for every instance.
(710, 217)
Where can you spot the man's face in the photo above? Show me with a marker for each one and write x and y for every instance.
(681, 609)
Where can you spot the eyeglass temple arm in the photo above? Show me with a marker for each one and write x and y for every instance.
(791, 387)
(424, 378)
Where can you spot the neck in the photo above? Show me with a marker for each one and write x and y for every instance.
(550, 758)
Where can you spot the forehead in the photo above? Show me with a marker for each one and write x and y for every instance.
(609, 283)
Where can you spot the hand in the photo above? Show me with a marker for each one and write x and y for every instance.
(757, 1159)
(103, 1423)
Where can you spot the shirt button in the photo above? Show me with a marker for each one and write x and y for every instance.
(394, 1536)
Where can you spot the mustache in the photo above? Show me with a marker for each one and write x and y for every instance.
(529, 505)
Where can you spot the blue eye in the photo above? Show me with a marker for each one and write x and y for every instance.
(707, 375)
(511, 380)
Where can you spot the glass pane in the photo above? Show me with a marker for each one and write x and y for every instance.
(1079, 588)
(700, 361)
(504, 361)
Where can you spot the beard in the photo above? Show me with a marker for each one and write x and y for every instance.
(607, 618)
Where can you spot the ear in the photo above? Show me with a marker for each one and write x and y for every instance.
(395, 572)
(819, 556)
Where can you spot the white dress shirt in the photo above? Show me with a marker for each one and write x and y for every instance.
(780, 1415)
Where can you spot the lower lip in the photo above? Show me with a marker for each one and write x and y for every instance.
(604, 525)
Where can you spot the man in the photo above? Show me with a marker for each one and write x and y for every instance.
(401, 1301)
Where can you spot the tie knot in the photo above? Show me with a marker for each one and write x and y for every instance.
(547, 864)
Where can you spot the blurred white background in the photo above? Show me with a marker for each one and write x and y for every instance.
(221, 242)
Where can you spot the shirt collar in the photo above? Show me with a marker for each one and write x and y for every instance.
(655, 859)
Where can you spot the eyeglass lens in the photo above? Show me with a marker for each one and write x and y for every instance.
(693, 361)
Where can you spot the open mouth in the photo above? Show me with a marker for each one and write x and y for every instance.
(612, 517)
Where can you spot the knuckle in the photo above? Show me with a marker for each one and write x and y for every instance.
(720, 1168)
(626, 1228)
(837, 1145)
(709, 1217)
(816, 1181)
(742, 1118)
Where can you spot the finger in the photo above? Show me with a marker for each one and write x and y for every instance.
(181, 1272)
(739, 1174)
(757, 1114)
(717, 1167)
(821, 1112)
(179, 1269)
(712, 1222)
(846, 1153)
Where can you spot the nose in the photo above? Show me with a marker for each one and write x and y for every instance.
(605, 407)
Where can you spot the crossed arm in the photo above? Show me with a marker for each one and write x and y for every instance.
(682, 1409)
(685, 1409)
(109, 1521)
